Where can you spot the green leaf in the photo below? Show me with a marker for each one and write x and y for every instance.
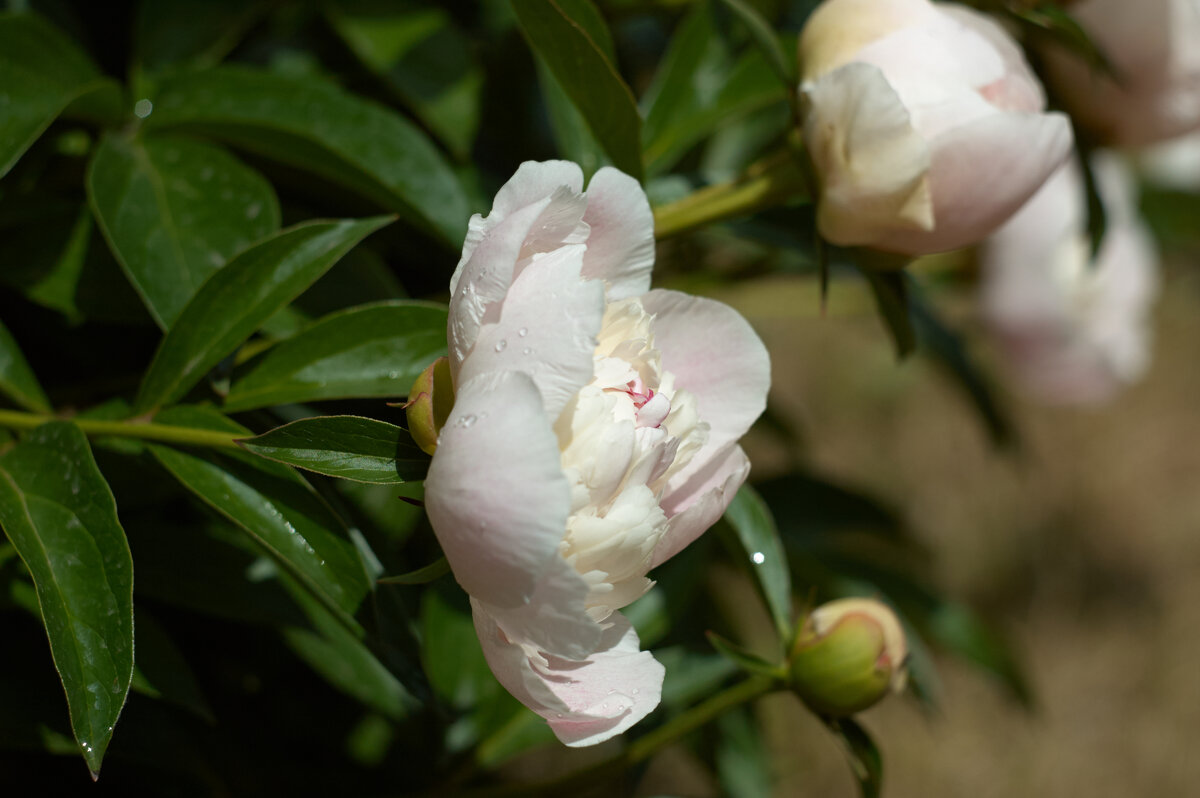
(349, 447)
(890, 289)
(742, 761)
(60, 515)
(370, 350)
(570, 35)
(174, 210)
(197, 33)
(958, 629)
(767, 41)
(423, 57)
(751, 519)
(162, 670)
(437, 568)
(572, 135)
(699, 87)
(231, 305)
(41, 73)
(343, 660)
(865, 759)
(318, 128)
(278, 509)
(16, 378)
(741, 657)
(949, 350)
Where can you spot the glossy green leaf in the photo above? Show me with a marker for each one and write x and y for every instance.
(370, 350)
(571, 37)
(16, 377)
(700, 86)
(41, 73)
(318, 128)
(231, 305)
(349, 447)
(751, 520)
(423, 57)
(865, 759)
(278, 509)
(744, 659)
(174, 210)
(59, 514)
(437, 568)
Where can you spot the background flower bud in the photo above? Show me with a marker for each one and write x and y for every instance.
(1152, 47)
(849, 654)
(924, 124)
(429, 404)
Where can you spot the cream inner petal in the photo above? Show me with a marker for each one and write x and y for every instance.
(622, 436)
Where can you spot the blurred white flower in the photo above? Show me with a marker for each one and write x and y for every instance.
(924, 123)
(1074, 330)
(1154, 48)
(1173, 164)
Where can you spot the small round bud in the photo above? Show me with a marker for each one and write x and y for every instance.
(429, 404)
(848, 655)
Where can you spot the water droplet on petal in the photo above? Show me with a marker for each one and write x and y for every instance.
(523, 332)
(526, 351)
(501, 344)
(634, 691)
(467, 420)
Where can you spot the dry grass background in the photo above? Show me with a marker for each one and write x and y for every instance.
(1086, 545)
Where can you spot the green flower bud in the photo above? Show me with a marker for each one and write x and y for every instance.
(429, 404)
(848, 655)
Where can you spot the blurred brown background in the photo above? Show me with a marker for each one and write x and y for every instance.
(1085, 544)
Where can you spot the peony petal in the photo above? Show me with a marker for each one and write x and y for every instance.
(555, 619)
(1011, 154)
(586, 702)
(695, 504)
(716, 356)
(531, 183)
(620, 246)
(547, 328)
(873, 163)
(495, 494)
(838, 29)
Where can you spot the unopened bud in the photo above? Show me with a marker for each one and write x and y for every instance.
(848, 655)
(429, 404)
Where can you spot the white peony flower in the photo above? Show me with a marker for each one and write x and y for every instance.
(593, 435)
(924, 124)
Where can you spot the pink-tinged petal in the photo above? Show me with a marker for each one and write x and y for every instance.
(495, 494)
(872, 162)
(1012, 154)
(483, 280)
(696, 503)
(531, 183)
(716, 356)
(620, 246)
(547, 328)
(585, 702)
(555, 619)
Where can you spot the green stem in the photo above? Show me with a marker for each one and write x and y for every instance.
(641, 749)
(144, 430)
(772, 182)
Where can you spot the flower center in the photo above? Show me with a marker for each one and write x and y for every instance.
(622, 436)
